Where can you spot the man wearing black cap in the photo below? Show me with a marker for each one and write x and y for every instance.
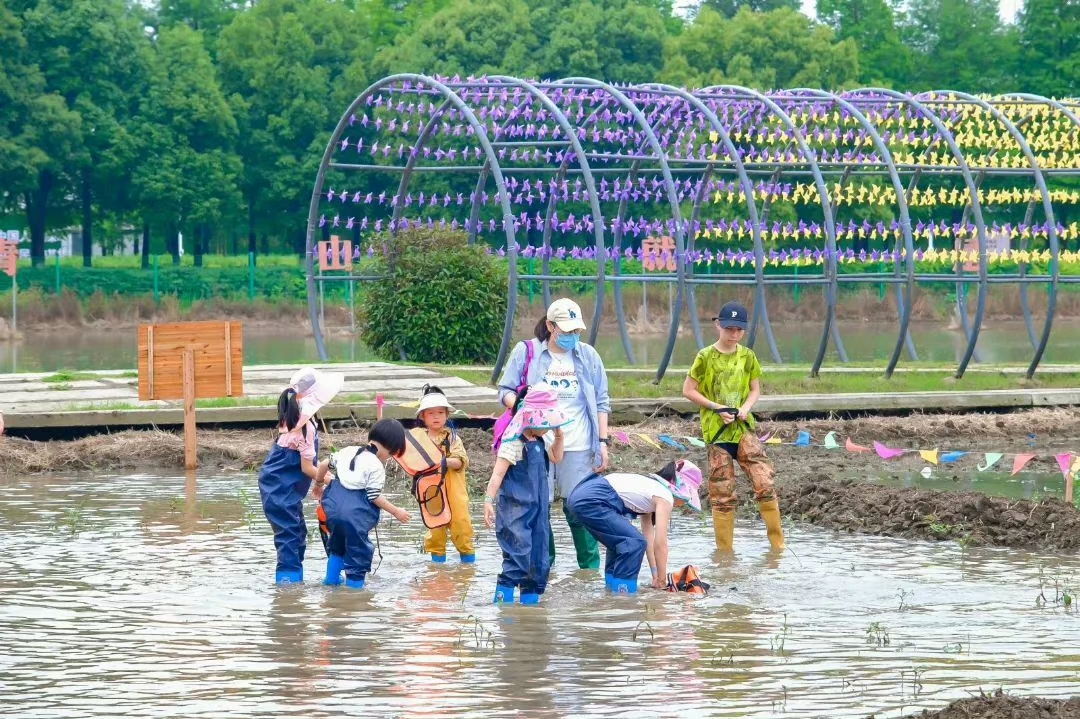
(725, 381)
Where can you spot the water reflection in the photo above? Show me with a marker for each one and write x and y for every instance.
(151, 596)
(865, 342)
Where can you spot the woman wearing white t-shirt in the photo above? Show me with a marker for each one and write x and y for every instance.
(574, 371)
(606, 503)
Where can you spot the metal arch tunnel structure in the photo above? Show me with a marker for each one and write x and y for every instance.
(514, 163)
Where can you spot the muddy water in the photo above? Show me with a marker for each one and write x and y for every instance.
(150, 596)
(865, 342)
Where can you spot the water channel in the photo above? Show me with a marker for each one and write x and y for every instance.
(867, 343)
(149, 595)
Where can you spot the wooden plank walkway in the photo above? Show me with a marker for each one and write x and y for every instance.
(111, 397)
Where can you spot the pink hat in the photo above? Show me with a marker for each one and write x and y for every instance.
(315, 388)
(539, 411)
(687, 481)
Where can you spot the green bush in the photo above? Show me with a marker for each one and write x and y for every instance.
(441, 300)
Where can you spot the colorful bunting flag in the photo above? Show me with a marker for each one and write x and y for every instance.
(667, 439)
(694, 441)
(1020, 461)
(830, 441)
(952, 456)
(886, 452)
(930, 455)
(649, 439)
(852, 447)
(992, 458)
(803, 439)
(774, 440)
(1065, 461)
(621, 437)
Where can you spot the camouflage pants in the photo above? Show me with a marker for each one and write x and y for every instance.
(751, 457)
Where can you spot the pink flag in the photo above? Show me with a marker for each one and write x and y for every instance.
(621, 437)
(1020, 461)
(886, 452)
(379, 402)
(1065, 463)
(852, 447)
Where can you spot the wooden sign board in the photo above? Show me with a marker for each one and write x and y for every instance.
(218, 354)
(189, 360)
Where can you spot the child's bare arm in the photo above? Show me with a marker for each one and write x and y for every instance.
(321, 478)
(492, 491)
(396, 512)
(555, 452)
(307, 466)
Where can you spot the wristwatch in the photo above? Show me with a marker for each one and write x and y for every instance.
(605, 440)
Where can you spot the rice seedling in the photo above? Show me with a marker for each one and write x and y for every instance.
(877, 635)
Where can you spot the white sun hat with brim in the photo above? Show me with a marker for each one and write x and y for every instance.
(431, 400)
(315, 388)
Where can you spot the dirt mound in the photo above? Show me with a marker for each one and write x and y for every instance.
(1000, 705)
(972, 518)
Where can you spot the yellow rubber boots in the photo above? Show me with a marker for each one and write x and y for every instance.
(770, 512)
(724, 528)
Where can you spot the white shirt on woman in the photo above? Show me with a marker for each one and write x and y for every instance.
(639, 492)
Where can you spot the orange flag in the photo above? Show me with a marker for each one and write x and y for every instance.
(1020, 461)
(852, 447)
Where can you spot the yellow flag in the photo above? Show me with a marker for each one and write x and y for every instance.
(930, 455)
(774, 440)
(649, 439)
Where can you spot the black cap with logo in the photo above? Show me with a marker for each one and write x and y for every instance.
(732, 314)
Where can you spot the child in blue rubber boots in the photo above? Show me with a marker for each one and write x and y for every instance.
(352, 501)
(291, 465)
(605, 504)
(433, 416)
(517, 502)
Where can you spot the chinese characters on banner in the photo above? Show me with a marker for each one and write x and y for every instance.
(658, 254)
(335, 254)
(9, 255)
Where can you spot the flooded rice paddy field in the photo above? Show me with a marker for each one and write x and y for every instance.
(150, 595)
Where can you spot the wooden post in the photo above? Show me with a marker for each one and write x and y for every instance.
(191, 458)
(1069, 478)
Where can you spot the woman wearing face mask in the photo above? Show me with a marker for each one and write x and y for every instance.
(575, 372)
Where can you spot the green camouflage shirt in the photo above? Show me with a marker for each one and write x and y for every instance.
(725, 379)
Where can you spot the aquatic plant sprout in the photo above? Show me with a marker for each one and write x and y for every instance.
(714, 186)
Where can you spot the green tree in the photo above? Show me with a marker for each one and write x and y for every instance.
(782, 48)
(187, 175)
(92, 54)
(1050, 47)
(730, 8)
(290, 67)
(612, 40)
(883, 57)
(469, 37)
(960, 45)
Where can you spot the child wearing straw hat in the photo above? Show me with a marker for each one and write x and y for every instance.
(434, 417)
(290, 466)
(517, 503)
(605, 504)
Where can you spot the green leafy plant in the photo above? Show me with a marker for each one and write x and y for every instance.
(440, 299)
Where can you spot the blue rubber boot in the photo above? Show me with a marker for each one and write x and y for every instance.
(335, 563)
(354, 583)
(289, 577)
(530, 598)
(438, 558)
(620, 586)
(504, 595)
(468, 559)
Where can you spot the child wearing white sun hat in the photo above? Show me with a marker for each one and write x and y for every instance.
(433, 414)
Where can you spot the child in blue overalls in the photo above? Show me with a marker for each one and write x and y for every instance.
(290, 466)
(353, 500)
(518, 489)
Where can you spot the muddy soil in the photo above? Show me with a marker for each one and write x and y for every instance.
(1000, 705)
(815, 485)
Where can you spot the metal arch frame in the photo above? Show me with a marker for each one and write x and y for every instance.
(669, 186)
(826, 206)
(1055, 248)
(946, 135)
(760, 309)
(905, 216)
(1048, 209)
(594, 203)
(485, 143)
